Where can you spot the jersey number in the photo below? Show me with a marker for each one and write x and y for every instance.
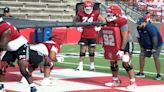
(109, 39)
(86, 19)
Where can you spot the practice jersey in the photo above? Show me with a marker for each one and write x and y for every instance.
(88, 31)
(46, 47)
(16, 40)
(111, 42)
(122, 24)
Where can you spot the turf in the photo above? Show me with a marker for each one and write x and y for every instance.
(103, 65)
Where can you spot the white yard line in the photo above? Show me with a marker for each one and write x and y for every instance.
(146, 72)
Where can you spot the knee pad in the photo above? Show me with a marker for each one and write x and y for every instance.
(91, 54)
(126, 58)
(114, 66)
(127, 66)
(82, 54)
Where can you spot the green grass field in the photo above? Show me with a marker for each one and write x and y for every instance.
(102, 65)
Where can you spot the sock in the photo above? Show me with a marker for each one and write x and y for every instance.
(80, 63)
(115, 78)
(32, 85)
(132, 80)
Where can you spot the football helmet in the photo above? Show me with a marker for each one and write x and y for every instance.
(88, 7)
(113, 12)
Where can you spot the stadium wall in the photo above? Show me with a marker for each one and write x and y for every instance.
(67, 35)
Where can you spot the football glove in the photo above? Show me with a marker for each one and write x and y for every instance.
(80, 29)
(97, 28)
(120, 53)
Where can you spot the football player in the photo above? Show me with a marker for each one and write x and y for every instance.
(12, 40)
(42, 54)
(118, 45)
(88, 33)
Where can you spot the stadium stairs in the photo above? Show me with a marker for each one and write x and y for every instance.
(48, 10)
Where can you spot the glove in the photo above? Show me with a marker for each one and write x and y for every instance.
(120, 53)
(80, 29)
(60, 59)
(97, 28)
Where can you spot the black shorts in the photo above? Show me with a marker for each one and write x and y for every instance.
(9, 56)
(21, 53)
(87, 41)
(129, 47)
(35, 58)
(148, 53)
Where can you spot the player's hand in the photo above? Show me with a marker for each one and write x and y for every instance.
(60, 59)
(80, 29)
(120, 53)
(97, 28)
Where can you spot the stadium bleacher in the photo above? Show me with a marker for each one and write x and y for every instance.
(51, 10)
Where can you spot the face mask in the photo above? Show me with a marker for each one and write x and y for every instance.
(88, 10)
(110, 17)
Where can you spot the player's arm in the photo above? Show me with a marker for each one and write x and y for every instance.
(125, 34)
(4, 39)
(101, 18)
(53, 55)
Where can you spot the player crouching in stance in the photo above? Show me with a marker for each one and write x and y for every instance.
(12, 40)
(49, 48)
(40, 54)
(118, 45)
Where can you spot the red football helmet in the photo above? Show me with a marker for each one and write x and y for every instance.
(88, 7)
(113, 12)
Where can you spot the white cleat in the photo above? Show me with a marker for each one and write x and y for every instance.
(132, 86)
(23, 80)
(114, 83)
(46, 82)
(79, 68)
(92, 68)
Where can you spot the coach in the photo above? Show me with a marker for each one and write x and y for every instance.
(150, 42)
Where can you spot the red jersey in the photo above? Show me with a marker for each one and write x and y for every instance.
(50, 44)
(14, 34)
(89, 31)
(112, 37)
(111, 42)
(120, 22)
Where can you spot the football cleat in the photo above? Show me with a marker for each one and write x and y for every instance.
(132, 86)
(79, 68)
(2, 88)
(33, 89)
(46, 82)
(114, 83)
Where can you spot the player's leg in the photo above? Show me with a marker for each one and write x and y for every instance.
(22, 55)
(157, 62)
(48, 66)
(115, 80)
(126, 63)
(6, 58)
(91, 50)
(83, 47)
